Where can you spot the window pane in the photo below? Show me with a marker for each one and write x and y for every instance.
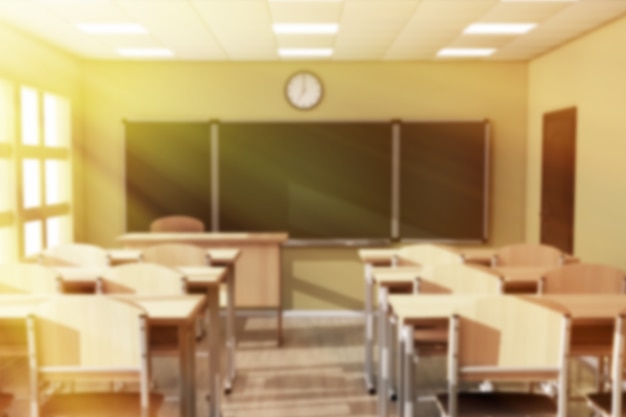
(31, 183)
(58, 230)
(8, 251)
(7, 184)
(57, 180)
(6, 112)
(30, 116)
(57, 120)
(32, 238)
(50, 120)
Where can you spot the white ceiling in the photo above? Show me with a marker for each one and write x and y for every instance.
(369, 30)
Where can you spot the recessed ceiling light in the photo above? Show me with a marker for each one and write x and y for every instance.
(305, 28)
(305, 52)
(112, 28)
(145, 52)
(465, 52)
(499, 28)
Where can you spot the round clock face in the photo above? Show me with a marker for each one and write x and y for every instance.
(304, 90)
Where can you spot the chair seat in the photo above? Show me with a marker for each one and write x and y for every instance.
(601, 402)
(99, 405)
(499, 404)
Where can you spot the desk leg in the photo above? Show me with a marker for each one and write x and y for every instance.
(392, 342)
(231, 341)
(400, 366)
(185, 371)
(188, 334)
(369, 330)
(383, 349)
(408, 394)
(215, 350)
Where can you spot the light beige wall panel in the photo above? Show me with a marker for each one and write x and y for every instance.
(255, 91)
(589, 74)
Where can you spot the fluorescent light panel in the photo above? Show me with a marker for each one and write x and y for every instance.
(305, 28)
(305, 52)
(112, 28)
(499, 28)
(465, 52)
(145, 52)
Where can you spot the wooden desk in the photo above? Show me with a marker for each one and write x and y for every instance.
(179, 311)
(211, 278)
(593, 319)
(413, 311)
(258, 280)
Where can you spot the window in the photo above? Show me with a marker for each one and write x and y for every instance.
(44, 214)
(8, 247)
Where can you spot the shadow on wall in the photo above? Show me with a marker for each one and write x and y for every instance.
(326, 278)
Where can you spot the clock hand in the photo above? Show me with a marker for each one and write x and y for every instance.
(303, 90)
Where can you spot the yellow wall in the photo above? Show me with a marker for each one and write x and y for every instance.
(589, 73)
(25, 60)
(314, 278)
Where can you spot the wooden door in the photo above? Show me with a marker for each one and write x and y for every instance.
(558, 179)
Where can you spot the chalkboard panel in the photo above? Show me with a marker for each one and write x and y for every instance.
(313, 180)
(167, 172)
(443, 180)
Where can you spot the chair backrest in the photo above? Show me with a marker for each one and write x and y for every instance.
(88, 332)
(177, 224)
(509, 332)
(28, 279)
(528, 254)
(75, 254)
(429, 254)
(142, 278)
(176, 254)
(583, 279)
(459, 279)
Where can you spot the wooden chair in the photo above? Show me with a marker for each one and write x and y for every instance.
(586, 279)
(143, 279)
(583, 279)
(527, 254)
(147, 279)
(88, 338)
(75, 254)
(177, 224)
(5, 402)
(489, 341)
(613, 404)
(19, 278)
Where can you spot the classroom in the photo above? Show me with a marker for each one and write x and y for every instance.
(293, 297)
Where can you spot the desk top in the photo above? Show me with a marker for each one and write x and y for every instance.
(377, 256)
(581, 307)
(217, 238)
(223, 256)
(160, 309)
(204, 275)
(410, 309)
(402, 275)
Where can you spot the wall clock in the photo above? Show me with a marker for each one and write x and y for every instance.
(304, 90)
